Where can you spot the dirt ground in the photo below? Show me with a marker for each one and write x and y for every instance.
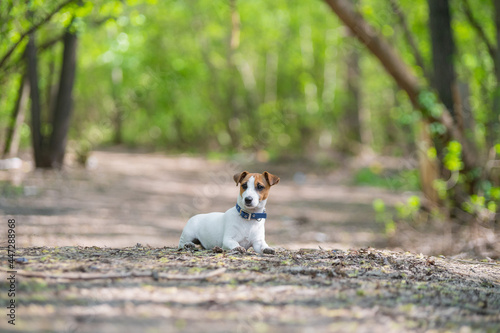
(96, 253)
(129, 198)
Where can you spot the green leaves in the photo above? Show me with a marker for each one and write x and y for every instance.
(429, 103)
(409, 209)
(453, 157)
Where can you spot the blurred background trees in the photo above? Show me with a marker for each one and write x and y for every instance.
(281, 78)
(203, 76)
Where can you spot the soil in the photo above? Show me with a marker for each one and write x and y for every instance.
(96, 252)
(92, 289)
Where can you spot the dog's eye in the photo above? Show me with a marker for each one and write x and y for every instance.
(244, 186)
(260, 187)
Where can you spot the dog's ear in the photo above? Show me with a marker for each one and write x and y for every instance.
(271, 179)
(239, 177)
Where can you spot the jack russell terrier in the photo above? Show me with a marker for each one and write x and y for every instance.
(241, 226)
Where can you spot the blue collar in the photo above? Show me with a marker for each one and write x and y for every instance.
(250, 216)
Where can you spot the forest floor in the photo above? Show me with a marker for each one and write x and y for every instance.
(96, 252)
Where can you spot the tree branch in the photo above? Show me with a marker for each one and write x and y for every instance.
(31, 30)
(479, 29)
(13, 65)
(97, 276)
(48, 44)
(399, 71)
(378, 46)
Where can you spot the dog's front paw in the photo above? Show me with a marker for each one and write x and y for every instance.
(239, 249)
(190, 246)
(217, 249)
(269, 250)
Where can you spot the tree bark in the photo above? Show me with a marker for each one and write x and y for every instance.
(14, 131)
(36, 135)
(116, 80)
(356, 130)
(232, 98)
(63, 107)
(443, 76)
(443, 50)
(493, 123)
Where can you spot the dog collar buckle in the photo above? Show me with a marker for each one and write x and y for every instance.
(250, 216)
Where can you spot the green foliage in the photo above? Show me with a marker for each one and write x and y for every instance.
(429, 102)
(162, 73)
(410, 209)
(383, 216)
(478, 206)
(400, 180)
(182, 89)
(9, 190)
(453, 157)
(441, 187)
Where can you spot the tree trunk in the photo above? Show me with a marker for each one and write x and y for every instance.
(14, 131)
(443, 81)
(36, 135)
(493, 123)
(443, 50)
(330, 69)
(232, 98)
(352, 115)
(271, 77)
(117, 79)
(63, 107)
(51, 89)
(399, 71)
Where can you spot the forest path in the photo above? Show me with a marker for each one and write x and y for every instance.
(132, 198)
(81, 266)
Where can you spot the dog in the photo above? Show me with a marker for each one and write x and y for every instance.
(241, 226)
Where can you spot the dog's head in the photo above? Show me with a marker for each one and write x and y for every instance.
(254, 188)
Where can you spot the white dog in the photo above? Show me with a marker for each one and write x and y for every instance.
(241, 226)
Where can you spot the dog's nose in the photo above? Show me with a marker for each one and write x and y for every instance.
(248, 200)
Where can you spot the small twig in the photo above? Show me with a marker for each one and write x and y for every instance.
(479, 310)
(96, 276)
(27, 257)
(476, 262)
(208, 275)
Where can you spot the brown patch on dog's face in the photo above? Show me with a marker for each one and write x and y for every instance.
(262, 183)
